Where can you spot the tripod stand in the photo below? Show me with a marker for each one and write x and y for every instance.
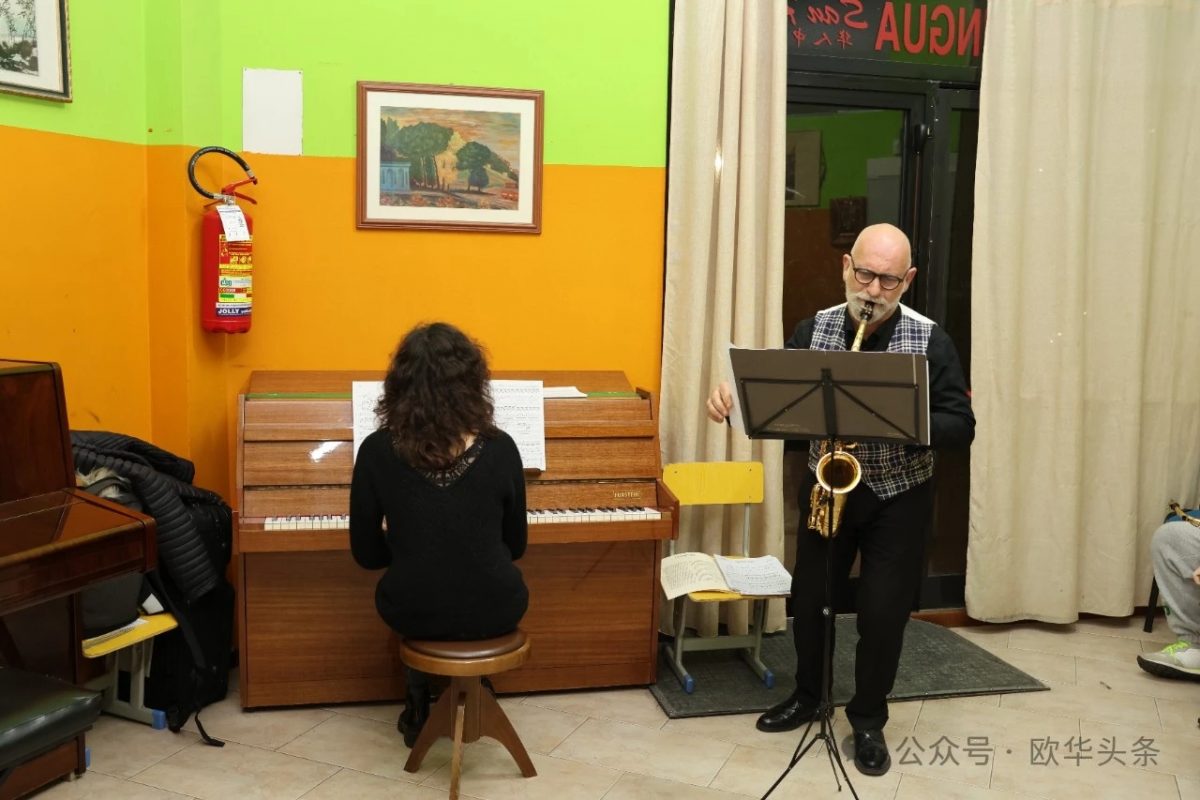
(824, 715)
(792, 394)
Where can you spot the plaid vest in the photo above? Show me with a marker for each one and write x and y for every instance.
(888, 469)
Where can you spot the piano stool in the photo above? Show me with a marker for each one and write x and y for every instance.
(465, 711)
(43, 717)
(701, 483)
(129, 653)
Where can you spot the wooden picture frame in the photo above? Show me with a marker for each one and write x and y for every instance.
(35, 53)
(449, 158)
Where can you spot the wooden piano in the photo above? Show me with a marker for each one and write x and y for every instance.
(308, 629)
(54, 541)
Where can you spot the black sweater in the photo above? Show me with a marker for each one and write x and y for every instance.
(449, 551)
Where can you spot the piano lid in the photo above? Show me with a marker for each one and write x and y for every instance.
(53, 520)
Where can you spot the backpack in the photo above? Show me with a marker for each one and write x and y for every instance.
(189, 668)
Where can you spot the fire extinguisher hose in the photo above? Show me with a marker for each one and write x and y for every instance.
(223, 151)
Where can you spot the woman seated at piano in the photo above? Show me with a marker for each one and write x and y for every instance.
(450, 486)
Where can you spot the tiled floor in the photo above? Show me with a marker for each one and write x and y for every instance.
(1131, 736)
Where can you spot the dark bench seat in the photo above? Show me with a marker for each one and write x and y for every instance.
(41, 718)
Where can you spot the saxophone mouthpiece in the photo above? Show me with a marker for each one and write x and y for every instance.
(867, 310)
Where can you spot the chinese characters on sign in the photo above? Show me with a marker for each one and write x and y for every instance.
(1042, 751)
(934, 31)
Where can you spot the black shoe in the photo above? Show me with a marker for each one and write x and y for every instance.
(871, 752)
(786, 716)
(414, 716)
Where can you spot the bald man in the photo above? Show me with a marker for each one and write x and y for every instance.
(886, 517)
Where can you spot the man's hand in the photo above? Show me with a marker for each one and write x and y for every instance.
(720, 403)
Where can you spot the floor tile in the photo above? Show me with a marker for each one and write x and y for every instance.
(1049, 668)
(269, 728)
(633, 748)
(1181, 718)
(123, 748)
(380, 712)
(347, 783)
(235, 770)
(541, 729)
(733, 728)
(1126, 627)
(93, 785)
(1021, 772)
(1154, 750)
(635, 706)
(1131, 678)
(987, 636)
(1188, 790)
(365, 745)
(1092, 701)
(643, 787)
(1066, 640)
(489, 773)
(914, 787)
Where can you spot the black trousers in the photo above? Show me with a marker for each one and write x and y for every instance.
(890, 536)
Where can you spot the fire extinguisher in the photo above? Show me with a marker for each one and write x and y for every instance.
(227, 253)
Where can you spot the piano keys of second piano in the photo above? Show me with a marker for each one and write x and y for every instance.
(542, 516)
(330, 522)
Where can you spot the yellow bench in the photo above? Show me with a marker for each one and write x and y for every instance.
(128, 651)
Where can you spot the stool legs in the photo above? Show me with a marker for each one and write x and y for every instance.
(464, 712)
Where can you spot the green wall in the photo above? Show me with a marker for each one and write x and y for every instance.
(170, 71)
(848, 140)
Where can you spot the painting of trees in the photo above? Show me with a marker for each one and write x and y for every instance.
(18, 36)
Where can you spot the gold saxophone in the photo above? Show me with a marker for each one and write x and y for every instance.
(838, 471)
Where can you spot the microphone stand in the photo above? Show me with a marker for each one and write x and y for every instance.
(824, 716)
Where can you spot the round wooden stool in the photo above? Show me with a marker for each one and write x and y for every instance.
(465, 711)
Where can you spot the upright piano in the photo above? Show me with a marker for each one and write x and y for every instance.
(54, 541)
(308, 629)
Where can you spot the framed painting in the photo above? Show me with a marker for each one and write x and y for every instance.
(449, 158)
(35, 58)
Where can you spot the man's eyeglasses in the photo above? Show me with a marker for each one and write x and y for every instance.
(865, 276)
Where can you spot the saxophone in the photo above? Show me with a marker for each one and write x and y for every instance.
(837, 472)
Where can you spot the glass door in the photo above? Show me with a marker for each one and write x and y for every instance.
(865, 150)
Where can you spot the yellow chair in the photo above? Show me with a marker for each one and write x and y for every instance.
(129, 651)
(703, 483)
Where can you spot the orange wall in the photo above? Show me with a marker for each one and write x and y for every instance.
(73, 261)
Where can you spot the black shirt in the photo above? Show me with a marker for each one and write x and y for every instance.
(449, 550)
(952, 423)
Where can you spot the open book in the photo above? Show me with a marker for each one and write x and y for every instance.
(700, 572)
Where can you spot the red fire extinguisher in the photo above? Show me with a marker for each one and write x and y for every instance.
(227, 255)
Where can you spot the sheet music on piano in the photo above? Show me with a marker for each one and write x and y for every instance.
(519, 412)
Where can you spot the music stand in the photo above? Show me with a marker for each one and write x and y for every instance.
(841, 396)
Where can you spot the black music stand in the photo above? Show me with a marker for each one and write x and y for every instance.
(835, 396)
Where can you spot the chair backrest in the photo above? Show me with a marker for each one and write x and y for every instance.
(703, 483)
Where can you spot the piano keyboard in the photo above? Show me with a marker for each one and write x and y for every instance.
(535, 516)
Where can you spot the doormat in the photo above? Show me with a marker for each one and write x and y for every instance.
(935, 662)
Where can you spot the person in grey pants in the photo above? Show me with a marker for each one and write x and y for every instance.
(1175, 551)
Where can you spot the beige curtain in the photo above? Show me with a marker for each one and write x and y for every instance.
(1084, 302)
(724, 272)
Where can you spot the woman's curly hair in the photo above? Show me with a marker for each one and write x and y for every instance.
(436, 391)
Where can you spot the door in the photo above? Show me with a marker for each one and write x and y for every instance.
(865, 150)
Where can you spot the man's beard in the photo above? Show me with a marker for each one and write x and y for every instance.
(882, 308)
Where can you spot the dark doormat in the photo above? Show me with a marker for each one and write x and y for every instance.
(935, 662)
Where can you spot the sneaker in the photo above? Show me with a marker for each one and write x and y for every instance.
(1179, 660)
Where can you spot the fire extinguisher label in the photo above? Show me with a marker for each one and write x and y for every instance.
(235, 263)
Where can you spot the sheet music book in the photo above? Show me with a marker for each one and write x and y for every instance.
(519, 412)
(701, 572)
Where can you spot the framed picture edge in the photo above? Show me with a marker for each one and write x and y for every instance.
(64, 38)
(363, 222)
